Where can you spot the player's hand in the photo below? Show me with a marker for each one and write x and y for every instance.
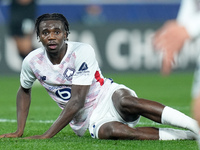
(10, 135)
(37, 137)
(170, 40)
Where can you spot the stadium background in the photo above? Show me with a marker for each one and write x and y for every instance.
(122, 43)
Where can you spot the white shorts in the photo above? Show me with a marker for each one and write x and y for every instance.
(106, 112)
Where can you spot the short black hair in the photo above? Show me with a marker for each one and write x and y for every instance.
(53, 16)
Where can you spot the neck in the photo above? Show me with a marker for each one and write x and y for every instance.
(57, 57)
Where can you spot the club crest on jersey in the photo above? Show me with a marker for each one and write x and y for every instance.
(68, 74)
(83, 67)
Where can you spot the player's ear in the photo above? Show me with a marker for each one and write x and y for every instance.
(66, 36)
(38, 38)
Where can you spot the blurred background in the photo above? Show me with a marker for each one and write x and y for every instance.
(119, 30)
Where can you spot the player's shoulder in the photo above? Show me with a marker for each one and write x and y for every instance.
(78, 46)
(35, 53)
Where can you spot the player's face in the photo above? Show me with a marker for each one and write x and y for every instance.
(52, 35)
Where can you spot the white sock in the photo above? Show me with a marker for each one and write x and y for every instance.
(176, 118)
(174, 134)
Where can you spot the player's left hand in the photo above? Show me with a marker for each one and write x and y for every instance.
(37, 137)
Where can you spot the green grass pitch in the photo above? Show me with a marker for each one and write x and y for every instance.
(173, 91)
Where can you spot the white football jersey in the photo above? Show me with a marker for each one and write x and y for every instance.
(78, 67)
(189, 16)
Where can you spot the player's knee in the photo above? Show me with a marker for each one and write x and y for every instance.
(129, 101)
(107, 131)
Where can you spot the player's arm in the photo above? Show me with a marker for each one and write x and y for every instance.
(170, 39)
(196, 110)
(23, 104)
(77, 101)
(172, 36)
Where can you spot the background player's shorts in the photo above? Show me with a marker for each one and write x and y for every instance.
(106, 112)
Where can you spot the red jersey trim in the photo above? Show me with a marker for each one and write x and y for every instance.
(98, 78)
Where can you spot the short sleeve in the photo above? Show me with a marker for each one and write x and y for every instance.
(189, 17)
(85, 66)
(27, 76)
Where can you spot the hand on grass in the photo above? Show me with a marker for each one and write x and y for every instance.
(10, 135)
(37, 137)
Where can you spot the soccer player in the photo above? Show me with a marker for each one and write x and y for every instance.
(71, 75)
(171, 38)
(21, 24)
